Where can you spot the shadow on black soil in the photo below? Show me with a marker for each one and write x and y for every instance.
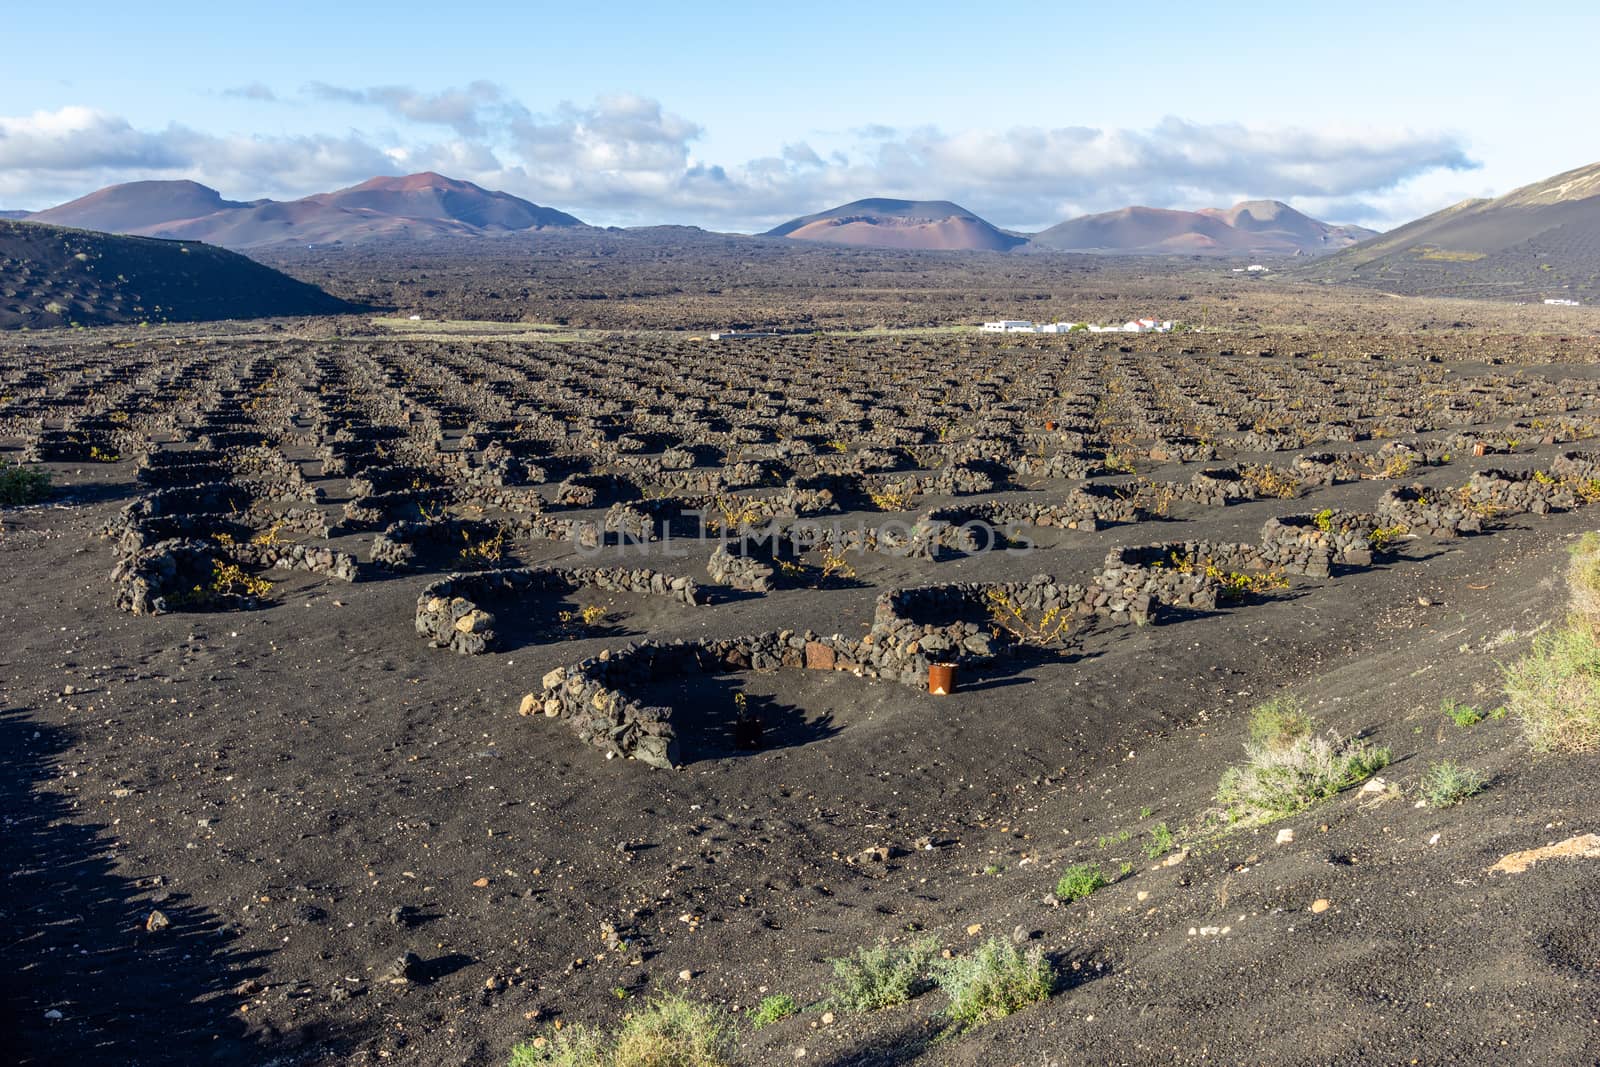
(82, 979)
(715, 718)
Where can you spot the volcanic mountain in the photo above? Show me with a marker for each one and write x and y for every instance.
(415, 206)
(138, 207)
(55, 276)
(912, 224)
(1252, 227)
(1542, 240)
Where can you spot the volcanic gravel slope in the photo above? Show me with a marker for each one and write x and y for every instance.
(306, 791)
(53, 276)
(1539, 242)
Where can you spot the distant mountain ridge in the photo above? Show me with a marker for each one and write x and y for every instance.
(1251, 227)
(420, 206)
(417, 205)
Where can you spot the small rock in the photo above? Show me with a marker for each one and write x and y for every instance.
(1285, 836)
(157, 922)
(53, 1015)
(975, 929)
(685, 975)
(827, 1018)
(1319, 906)
(403, 970)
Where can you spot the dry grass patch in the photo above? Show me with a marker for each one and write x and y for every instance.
(670, 1031)
(1287, 770)
(1554, 692)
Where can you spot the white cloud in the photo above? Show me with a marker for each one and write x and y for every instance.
(76, 138)
(625, 158)
(469, 111)
(49, 157)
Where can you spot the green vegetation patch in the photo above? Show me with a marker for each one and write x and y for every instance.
(993, 981)
(23, 485)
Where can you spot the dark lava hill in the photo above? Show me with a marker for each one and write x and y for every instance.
(54, 276)
(1541, 241)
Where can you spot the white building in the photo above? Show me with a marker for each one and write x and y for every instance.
(1136, 326)
(1562, 302)
(1131, 326)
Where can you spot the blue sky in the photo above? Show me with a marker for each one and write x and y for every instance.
(737, 116)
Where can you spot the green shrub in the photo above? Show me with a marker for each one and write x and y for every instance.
(1079, 880)
(871, 979)
(674, 1032)
(1160, 842)
(1279, 723)
(1275, 782)
(1554, 692)
(1446, 783)
(772, 1009)
(669, 1032)
(571, 1046)
(994, 981)
(1462, 714)
(23, 485)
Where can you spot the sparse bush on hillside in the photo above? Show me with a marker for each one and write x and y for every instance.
(870, 979)
(1078, 881)
(772, 1009)
(1277, 781)
(1161, 842)
(670, 1031)
(1462, 714)
(571, 1046)
(1446, 783)
(1279, 723)
(1554, 691)
(1583, 580)
(995, 980)
(23, 485)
